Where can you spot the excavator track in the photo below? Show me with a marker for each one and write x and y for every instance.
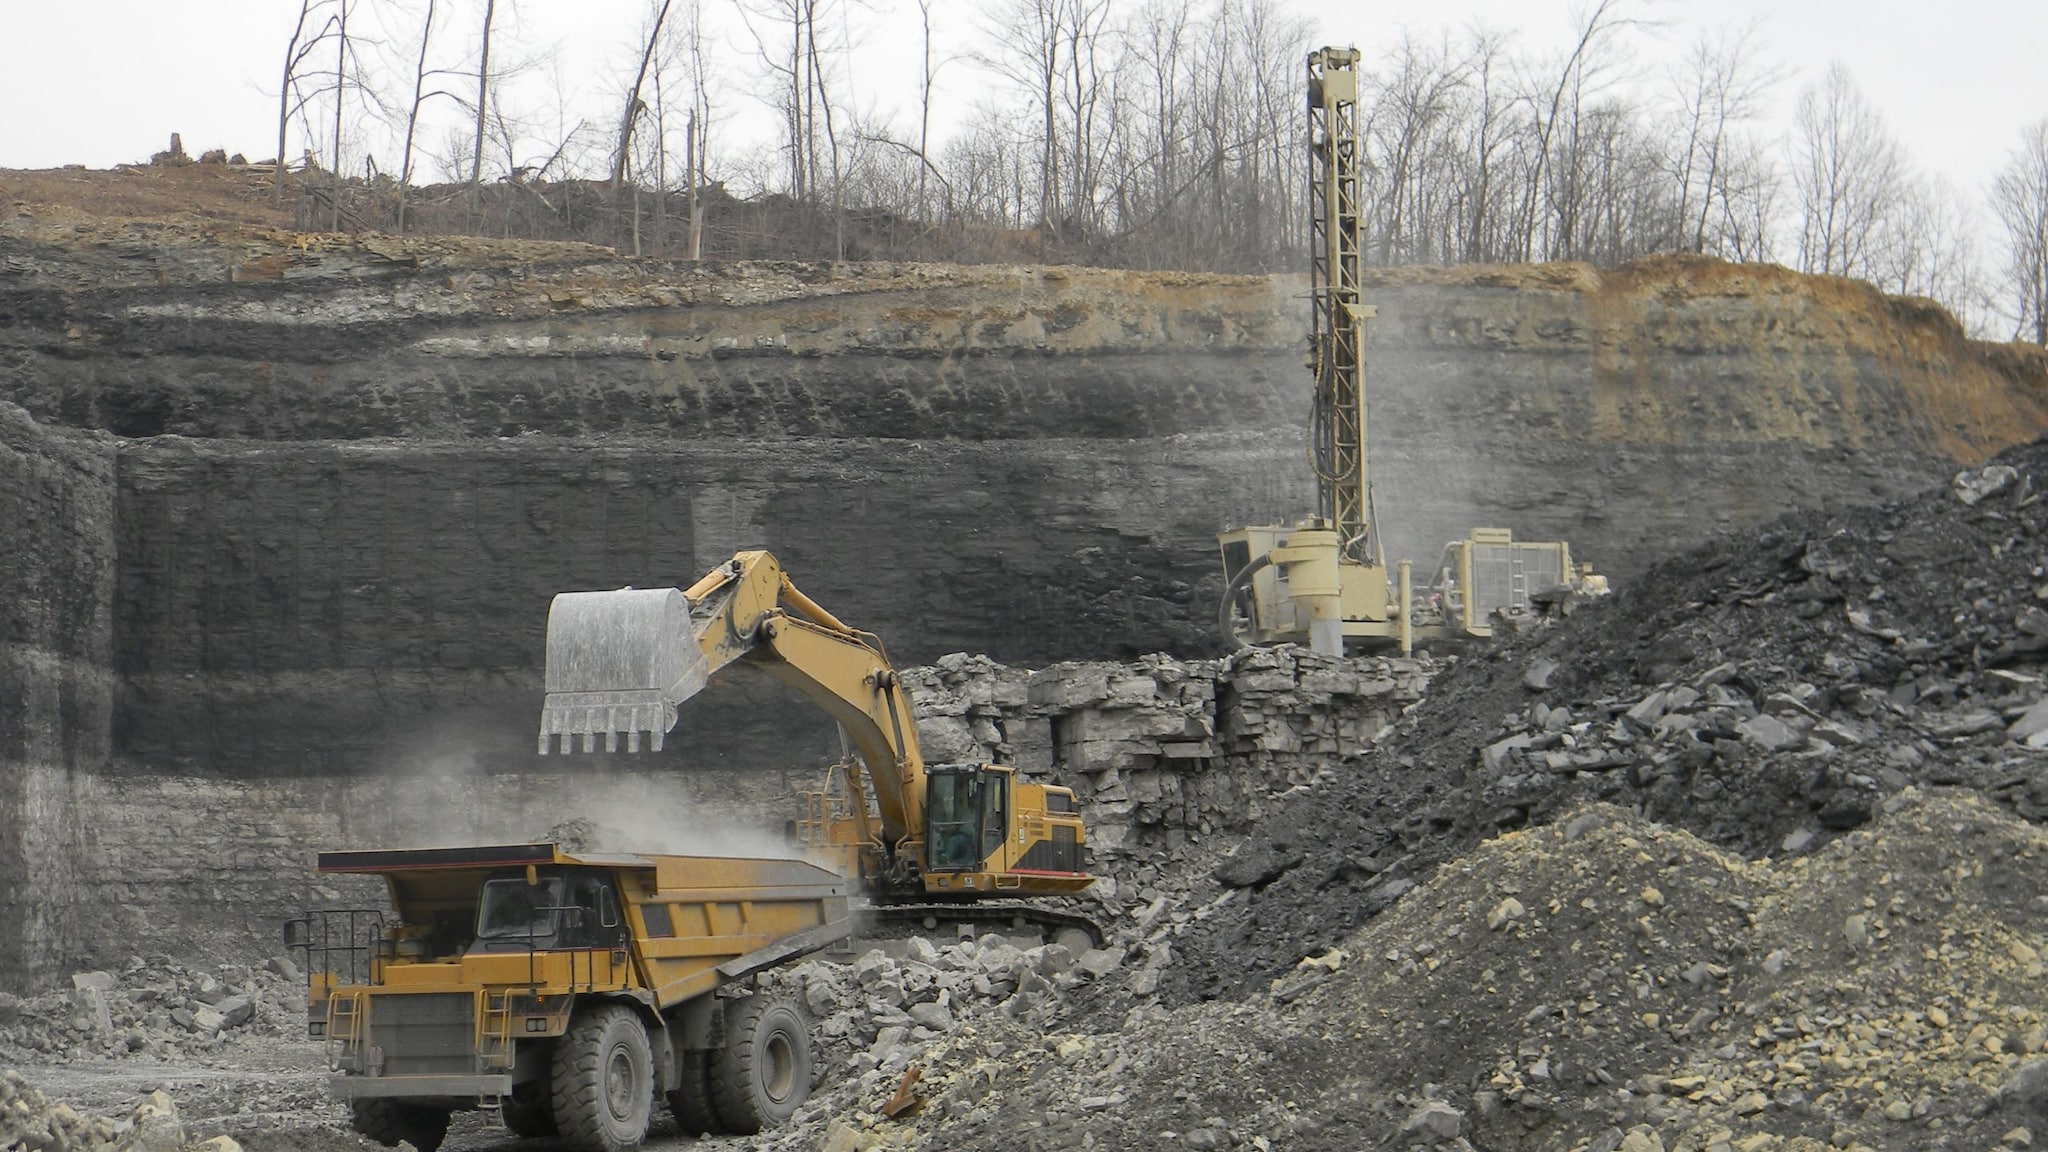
(1052, 923)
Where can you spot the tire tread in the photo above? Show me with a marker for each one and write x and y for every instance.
(733, 1074)
(388, 1121)
(578, 1087)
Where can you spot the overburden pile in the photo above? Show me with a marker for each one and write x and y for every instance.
(1765, 692)
(1603, 983)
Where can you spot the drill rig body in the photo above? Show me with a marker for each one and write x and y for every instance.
(1324, 581)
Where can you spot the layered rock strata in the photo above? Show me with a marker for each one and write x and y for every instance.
(294, 504)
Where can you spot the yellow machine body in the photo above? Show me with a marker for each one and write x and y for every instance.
(1482, 579)
(433, 1003)
(1325, 582)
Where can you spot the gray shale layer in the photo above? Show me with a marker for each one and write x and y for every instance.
(283, 514)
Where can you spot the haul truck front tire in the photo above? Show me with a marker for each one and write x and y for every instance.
(527, 1113)
(763, 1074)
(603, 1081)
(389, 1121)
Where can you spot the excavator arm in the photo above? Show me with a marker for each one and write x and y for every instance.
(619, 663)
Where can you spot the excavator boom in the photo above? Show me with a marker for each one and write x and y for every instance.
(621, 662)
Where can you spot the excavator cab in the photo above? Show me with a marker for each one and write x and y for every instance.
(966, 817)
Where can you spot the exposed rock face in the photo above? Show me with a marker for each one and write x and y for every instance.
(56, 674)
(1158, 748)
(345, 476)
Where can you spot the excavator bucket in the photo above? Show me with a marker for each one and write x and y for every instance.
(618, 662)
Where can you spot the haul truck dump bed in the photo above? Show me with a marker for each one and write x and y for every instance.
(566, 991)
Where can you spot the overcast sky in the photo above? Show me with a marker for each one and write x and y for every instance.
(101, 82)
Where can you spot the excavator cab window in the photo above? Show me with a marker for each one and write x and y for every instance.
(952, 813)
(995, 812)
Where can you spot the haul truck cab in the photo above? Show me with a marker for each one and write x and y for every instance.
(566, 991)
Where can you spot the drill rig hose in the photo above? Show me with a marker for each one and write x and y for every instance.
(1231, 591)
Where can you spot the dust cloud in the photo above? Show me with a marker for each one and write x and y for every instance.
(451, 792)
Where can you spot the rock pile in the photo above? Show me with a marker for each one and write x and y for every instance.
(1766, 692)
(895, 1006)
(1600, 983)
(1160, 749)
(152, 1009)
(32, 1122)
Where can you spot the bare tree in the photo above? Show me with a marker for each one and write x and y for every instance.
(1721, 88)
(818, 72)
(1847, 171)
(927, 72)
(634, 106)
(1408, 131)
(785, 36)
(2019, 197)
(483, 102)
(340, 98)
(697, 125)
(1028, 42)
(1558, 195)
(304, 40)
(421, 76)
(1487, 129)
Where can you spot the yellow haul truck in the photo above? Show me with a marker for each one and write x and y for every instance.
(565, 990)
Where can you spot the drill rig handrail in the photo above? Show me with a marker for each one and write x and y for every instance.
(605, 677)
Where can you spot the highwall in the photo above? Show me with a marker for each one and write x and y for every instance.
(290, 507)
(57, 679)
(1160, 751)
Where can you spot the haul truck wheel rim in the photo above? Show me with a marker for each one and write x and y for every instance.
(781, 1068)
(619, 1083)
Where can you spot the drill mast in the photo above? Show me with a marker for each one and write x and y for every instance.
(1336, 335)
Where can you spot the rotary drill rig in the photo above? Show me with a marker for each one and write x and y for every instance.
(1324, 581)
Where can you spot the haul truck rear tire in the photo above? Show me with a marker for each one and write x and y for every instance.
(604, 1081)
(388, 1121)
(762, 1075)
(691, 1102)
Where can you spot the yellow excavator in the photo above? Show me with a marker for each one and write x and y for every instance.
(1324, 581)
(619, 664)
